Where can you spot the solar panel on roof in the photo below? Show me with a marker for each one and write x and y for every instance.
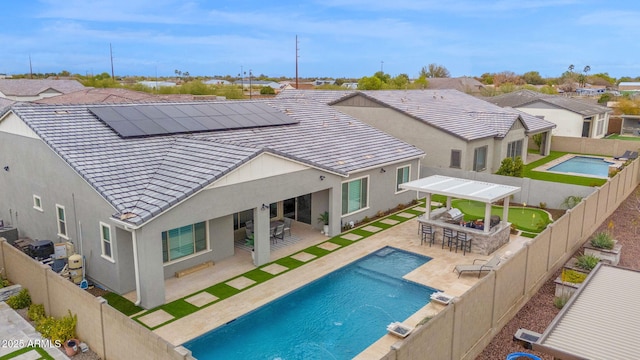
(166, 119)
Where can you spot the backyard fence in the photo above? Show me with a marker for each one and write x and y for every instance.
(468, 324)
(108, 332)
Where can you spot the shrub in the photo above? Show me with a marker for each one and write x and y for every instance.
(543, 205)
(267, 90)
(560, 301)
(571, 201)
(587, 262)
(58, 330)
(20, 300)
(573, 276)
(36, 312)
(602, 240)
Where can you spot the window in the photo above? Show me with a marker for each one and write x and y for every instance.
(105, 236)
(402, 176)
(600, 129)
(37, 203)
(514, 149)
(183, 241)
(480, 159)
(62, 221)
(354, 195)
(456, 159)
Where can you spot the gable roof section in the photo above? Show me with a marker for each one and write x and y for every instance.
(111, 95)
(452, 111)
(142, 177)
(464, 84)
(522, 98)
(32, 87)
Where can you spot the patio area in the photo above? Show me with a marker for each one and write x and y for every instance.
(437, 273)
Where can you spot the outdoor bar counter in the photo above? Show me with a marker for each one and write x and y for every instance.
(482, 242)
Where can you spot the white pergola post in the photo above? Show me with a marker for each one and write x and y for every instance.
(487, 217)
(428, 206)
(505, 210)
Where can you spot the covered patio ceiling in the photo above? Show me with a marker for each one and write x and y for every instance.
(461, 188)
(482, 191)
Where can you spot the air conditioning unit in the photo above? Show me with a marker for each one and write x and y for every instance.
(526, 337)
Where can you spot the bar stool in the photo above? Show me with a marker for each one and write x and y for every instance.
(448, 235)
(427, 233)
(464, 242)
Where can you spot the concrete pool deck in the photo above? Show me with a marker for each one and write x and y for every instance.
(437, 273)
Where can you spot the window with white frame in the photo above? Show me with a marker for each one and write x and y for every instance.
(62, 221)
(600, 128)
(355, 195)
(480, 158)
(105, 237)
(37, 203)
(456, 159)
(514, 149)
(184, 241)
(402, 176)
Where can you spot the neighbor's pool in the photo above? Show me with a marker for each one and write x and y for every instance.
(334, 317)
(584, 165)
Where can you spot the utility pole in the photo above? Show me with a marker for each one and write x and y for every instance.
(30, 68)
(382, 66)
(250, 84)
(297, 56)
(111, 55)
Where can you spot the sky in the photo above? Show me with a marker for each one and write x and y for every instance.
(335, 38)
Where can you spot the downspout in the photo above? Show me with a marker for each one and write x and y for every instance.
(136, 269)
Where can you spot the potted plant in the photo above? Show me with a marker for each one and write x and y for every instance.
(323, 218)
(603, 246)
(71, 347)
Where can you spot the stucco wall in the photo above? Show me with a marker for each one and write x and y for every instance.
(567, 122)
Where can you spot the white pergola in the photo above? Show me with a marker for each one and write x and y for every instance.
(485, 192)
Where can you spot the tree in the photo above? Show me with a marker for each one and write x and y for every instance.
(369, 83)
(267, 90)
(537, 139)
(507, 77)
(435, 71)
(486, 78)
(533, 78)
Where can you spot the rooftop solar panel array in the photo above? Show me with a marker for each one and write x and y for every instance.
(166, 119)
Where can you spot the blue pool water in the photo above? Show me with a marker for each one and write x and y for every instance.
(334, 317)
(584, 165)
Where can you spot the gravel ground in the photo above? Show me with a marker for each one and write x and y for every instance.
(538, 313)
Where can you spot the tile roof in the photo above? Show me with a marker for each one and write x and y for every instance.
(452, 111)
(525, 97)
(33, 87)
(111, 95)
(464, 84)
(142, 177)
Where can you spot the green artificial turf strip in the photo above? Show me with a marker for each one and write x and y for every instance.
(314, 250)
(222, 290)
(289, 262)
(381, 225)
(121, 304)
(621, 137)
(528, 234)
(414, 211)
(179, 308)
(258, 275)
(340, 241)
(43, 353)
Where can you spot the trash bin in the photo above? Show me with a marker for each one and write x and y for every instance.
(40, 249)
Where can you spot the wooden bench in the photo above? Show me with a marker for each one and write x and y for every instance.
(193, 269)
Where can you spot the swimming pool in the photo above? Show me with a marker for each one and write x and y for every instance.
(584, 165)
(334, 317)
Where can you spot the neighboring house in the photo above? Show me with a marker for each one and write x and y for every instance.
(591, 91)
(320, 82)
(454, 129)
(146, 190)
(157, 84)
(111, 95)
(218, 82)
(464, 84)
(4, 103)
(630, 125)
(30, 89)
(257, 83)
(573, 118)
(629, 88)
(350, 85)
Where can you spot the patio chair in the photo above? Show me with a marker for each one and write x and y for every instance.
(427, 233)
(278, 233)
(249, 225)
(487, 266)
(627, 155)
(287, 225)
